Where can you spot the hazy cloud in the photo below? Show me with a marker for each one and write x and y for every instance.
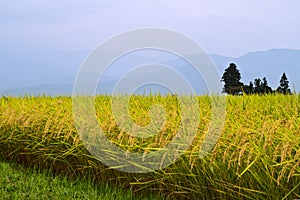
(231, 27)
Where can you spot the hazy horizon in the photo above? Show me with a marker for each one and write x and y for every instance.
(36, 36)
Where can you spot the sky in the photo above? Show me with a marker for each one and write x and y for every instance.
(230, 27)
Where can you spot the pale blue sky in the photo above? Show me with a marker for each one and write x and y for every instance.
(230, 28)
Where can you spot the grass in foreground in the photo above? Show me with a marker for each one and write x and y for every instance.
(18, 182)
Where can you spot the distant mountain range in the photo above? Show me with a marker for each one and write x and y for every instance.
(271, 64)
(54, 73)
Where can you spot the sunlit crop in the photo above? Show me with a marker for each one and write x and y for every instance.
(256, 157)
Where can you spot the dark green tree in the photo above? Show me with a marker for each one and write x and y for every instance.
(251, 88)
(248, 89)
(258, 86)
(231, 78)
(265, 87)
(284, 85)
(261, 86)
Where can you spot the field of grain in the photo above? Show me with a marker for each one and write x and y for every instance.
(256, 157)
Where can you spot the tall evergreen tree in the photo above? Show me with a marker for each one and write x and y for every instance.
(266, 88)
(231, 78)
(284, 85)
(251, 88)
(261, 86)
(258, 86)
(248, 89)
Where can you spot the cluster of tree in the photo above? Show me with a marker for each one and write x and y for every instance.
(234, 86)
(259, 87)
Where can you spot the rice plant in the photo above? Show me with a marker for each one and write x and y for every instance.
(256, 157)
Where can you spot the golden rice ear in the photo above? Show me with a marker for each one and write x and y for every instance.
(256, 157)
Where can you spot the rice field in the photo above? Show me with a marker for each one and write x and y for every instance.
(256, 157)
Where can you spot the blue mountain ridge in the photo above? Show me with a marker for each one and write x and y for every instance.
(55, 73)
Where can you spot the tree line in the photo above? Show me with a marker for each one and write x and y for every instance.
(234, 86)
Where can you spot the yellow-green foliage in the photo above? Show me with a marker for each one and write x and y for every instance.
(257, 156)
